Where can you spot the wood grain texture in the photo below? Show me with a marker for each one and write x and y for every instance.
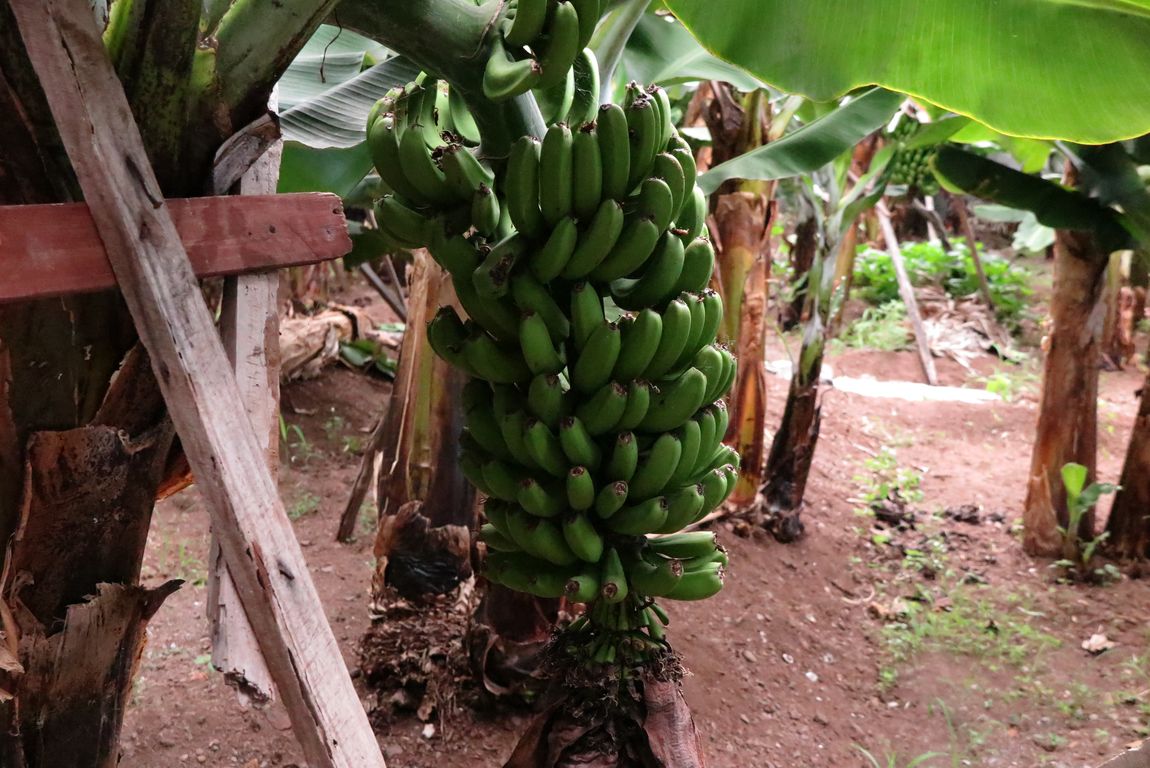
(160, 288)
(54, 250)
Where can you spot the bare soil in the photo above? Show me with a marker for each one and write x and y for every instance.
(942, 638)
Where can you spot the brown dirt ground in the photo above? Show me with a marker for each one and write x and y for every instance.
(941, 639)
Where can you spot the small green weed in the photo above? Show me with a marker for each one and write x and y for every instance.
(298, 448)
(881, 328)
(305, 504)
(892, 759)
(887, 480)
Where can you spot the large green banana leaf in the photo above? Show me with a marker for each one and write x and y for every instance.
(1051, 69)
(812, 146)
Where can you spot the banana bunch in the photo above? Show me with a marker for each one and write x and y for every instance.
(422, 141)
(538, 47)
(594, 419)
(910, 166)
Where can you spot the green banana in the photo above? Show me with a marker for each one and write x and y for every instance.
(675, 402)
(698, 265)
(615, 149)
(694, 302)
(402, 223)
(639, 341)
(524, 573)
(587, 173)
(586, 313)
(657, 284)
(624, 458)
(494, 539)
(383, 142)
(710, 361)
(667, 168)
(578, 445)
(714, 484)
(552, 258)
(588, 12)
(642, 121)
(521, 186)
(484, 430)
(708, 439)
(639, 519)
(582, 538)
(654, 579)
(536, 499)
(447, 335)
(723, 456)
(673, 338)
(597, 241)
(582, 587)
(638, 403)
(556, 176)
(685, 546)
(527, 24)
(492, 278)
(713, 306)
(554, 103)
(587, 85)
(502, 480)
(562, 45)
(718, 555)
(580, 489)
(513, 427)
(421, 169)
(613, 579)
(631, 250)
(472, 469)
(498, 317)
(683, 507)
(539, 537)
(463, 171)
(496, 512)
(538, 351)
(531, 296)
(722, 419)
(692, 221)
(730, 371)
(603, 411)
(493, 362)
(597, 359)
(545, 400)
(655, 200)
(666, 123)
(656, 468)
(698, 585)
(485, 211)
(457, 254)
(461, 120)
(544, 449)
(691, 438)
(682, 151)
(611, 499)
(506, 77)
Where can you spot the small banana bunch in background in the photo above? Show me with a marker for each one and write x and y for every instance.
(594, 420)
(910, 166)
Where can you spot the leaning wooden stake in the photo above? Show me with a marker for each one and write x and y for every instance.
(102, 140)
(906, 290)
(972, 247)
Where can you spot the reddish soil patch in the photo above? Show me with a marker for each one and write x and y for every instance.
(944, 638)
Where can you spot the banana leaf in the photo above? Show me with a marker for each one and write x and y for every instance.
(1047, 69)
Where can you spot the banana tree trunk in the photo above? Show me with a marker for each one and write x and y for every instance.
(426, 506)
(743, 222)
(1129, 523)
(802, 256)
(1067, 416)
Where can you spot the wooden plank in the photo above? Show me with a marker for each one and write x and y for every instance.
(53, 250)
(161, 291)
(906, 290)
(249, 327)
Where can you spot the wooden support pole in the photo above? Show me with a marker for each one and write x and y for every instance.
(972, 246)
(906, 290)
(263, 556)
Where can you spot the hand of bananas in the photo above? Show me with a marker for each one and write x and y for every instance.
(594, 423)
(910, 166)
